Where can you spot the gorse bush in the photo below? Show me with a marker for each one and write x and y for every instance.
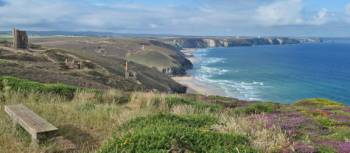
(172, 133)
(31, 86)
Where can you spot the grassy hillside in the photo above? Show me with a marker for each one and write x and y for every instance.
(47, 65)
(146, 52)
(115, 121)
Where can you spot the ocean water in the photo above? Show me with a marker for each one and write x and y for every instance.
(283, 73)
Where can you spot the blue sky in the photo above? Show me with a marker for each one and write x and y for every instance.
(189, 17)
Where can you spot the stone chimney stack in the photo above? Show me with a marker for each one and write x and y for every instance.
(126, 69)
(20, 39)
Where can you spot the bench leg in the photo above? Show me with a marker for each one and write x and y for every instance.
(35, 142)
(14, 126)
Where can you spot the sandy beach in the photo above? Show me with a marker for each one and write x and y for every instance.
(197, 87)
(194, 85)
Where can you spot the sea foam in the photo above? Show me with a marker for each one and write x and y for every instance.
(206, 72)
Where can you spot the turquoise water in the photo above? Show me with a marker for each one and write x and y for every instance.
(283, 73)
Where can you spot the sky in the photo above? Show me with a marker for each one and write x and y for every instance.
(327, 18)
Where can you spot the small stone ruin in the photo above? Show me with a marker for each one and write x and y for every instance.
(129, 74)
(72, 64)
(20, 39)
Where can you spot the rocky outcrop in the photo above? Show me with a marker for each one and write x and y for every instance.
(183, 63)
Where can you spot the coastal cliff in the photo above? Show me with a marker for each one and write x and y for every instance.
(177, 44)
(198, 42)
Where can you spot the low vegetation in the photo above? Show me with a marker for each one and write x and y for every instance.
(117, 121)
(82, 69)
(12, 83)
(175, 134)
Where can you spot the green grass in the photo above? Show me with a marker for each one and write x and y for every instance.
(340, 133)
(174, 133)
(257, 108)
(318, 102)
(326, 122)
(115, 121)
(82, 120)
(153, 59)
(325, 149)
(30, 86)
(199, 106)
(5, 38)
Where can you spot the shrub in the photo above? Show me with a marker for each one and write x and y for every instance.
(167, 133)
(317, 102)
(257, 108)
(327, 122)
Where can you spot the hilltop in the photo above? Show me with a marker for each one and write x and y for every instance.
(49, 65)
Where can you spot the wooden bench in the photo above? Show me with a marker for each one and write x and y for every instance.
(36, 126)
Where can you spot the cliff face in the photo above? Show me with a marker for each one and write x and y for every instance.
(176, 44)
(230, 42)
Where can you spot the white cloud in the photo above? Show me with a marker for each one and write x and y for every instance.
(322, 17)
(153, 26)
(286, 12)
(19, 12)
(291, 12)
(347, 9)
(245, 17)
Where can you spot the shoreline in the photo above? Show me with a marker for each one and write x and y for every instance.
(194, 85)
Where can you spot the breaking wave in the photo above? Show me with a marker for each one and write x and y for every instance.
(207, 72)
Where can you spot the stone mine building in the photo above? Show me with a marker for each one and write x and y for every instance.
(128, 73)
(20, 39)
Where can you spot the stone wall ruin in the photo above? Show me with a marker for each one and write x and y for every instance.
(20, 39)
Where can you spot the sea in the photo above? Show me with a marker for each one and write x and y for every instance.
(279, 73)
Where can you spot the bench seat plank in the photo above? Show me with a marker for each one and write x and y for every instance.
(30, 121)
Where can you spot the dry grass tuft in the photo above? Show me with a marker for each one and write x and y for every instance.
(83, 120)
(183, 110)
(263, 138)
(139, 100)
